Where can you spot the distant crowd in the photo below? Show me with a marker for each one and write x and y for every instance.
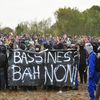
(37, 42)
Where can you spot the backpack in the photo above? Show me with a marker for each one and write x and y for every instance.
(97, 67)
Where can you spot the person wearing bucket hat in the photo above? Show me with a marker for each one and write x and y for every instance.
(92, 74)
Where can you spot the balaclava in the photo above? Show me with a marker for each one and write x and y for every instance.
(89, 47)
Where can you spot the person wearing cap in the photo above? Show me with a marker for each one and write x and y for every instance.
(92, 74)
(98, 84)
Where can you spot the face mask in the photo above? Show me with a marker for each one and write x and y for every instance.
(89, 47)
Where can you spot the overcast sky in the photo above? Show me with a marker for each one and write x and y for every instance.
(13, 12)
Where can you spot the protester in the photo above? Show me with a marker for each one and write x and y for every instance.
(82, 65)
(98, 85)
(92, 74)
(58, 43)
(98, 90)
(31, 46)
(3, 68)
(38, 44)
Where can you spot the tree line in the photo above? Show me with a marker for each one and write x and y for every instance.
(70, 21)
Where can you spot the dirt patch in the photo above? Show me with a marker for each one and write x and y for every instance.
(80, 94)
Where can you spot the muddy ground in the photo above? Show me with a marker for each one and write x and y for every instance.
(41, 94)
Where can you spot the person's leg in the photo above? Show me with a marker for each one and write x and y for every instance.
(76, 81)
(91, 92)
(91, 89)
(81, 75)
(97, 92)
(85, 76)
(6, 78)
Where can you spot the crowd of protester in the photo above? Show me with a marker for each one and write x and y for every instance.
(29, 42)
(37, 43)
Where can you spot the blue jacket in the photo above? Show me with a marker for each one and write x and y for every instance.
(92, 62)
(93, 75)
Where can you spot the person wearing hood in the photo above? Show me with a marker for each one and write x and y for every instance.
(92, 74)
(37, 46)
(82, 65)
